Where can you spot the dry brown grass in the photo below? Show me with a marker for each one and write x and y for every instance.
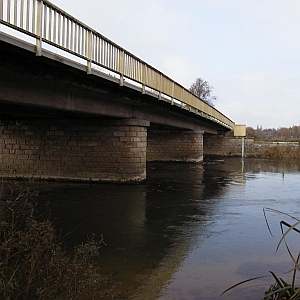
(33, 263)
(282, 153)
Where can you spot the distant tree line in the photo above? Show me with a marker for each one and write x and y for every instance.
(282, 133)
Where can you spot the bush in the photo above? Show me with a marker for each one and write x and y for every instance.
(33, 264)
(282, 153)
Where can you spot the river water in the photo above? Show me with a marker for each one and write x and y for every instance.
(189, 231)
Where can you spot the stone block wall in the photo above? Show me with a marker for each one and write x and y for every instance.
(225, 146)
(80, 150)
(175, 145)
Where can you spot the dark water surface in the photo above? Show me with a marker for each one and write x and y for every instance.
(188, 232)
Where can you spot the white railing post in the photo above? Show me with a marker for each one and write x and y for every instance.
(89, 49)
(143, 78)
(22, 15)
(39, 28)
(8, 11)
(121, 67)
(1, 9)
(172, 94)
(160, 84)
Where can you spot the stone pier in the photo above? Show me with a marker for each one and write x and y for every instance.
(75, 150)
(175, 145)
(91, 150)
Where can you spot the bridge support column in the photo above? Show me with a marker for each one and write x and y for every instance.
(175, 145)
(79, 150)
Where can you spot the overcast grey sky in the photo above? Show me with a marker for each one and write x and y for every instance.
(248, 50)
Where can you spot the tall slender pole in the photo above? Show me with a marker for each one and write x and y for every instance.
(243, 147)
(39, 28)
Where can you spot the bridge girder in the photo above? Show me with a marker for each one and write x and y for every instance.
(54, 87)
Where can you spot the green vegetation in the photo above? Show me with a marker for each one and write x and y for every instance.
(281, 290)
(33, 263)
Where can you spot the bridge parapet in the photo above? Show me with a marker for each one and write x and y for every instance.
(50, 24)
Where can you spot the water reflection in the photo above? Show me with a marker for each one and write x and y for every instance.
(188, 232)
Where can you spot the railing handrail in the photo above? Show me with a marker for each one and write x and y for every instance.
(48, 23)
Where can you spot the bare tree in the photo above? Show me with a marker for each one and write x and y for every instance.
(202, 90)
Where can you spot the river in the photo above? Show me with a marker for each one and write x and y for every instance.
(188, 232)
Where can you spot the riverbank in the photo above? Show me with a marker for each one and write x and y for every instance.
(33, 259)
(232, 146)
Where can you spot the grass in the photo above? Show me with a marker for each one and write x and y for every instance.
(280, 289)
(33, 263)
(282, 153)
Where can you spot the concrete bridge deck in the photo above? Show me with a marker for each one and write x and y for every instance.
(53, 86)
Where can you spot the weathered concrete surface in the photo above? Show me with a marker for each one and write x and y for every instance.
(52, 86)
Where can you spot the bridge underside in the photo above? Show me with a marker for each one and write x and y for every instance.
(57, 122)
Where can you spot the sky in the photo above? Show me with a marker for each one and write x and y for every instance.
(248, 50)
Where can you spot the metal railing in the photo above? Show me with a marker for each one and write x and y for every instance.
(48, 23)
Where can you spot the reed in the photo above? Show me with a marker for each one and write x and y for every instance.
(286, 153)
(281, 289)
(33, 263)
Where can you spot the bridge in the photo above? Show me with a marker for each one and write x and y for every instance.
(93, 111)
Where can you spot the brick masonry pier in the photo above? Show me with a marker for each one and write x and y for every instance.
(75, 150)
(175, 145)
(91, 150)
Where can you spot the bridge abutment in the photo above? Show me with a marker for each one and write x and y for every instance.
(175, 145)
(75, 150)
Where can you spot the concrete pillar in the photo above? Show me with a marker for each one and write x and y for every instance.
(79, 150)
(175, 145)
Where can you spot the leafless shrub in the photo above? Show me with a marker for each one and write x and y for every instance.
(33, 264)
